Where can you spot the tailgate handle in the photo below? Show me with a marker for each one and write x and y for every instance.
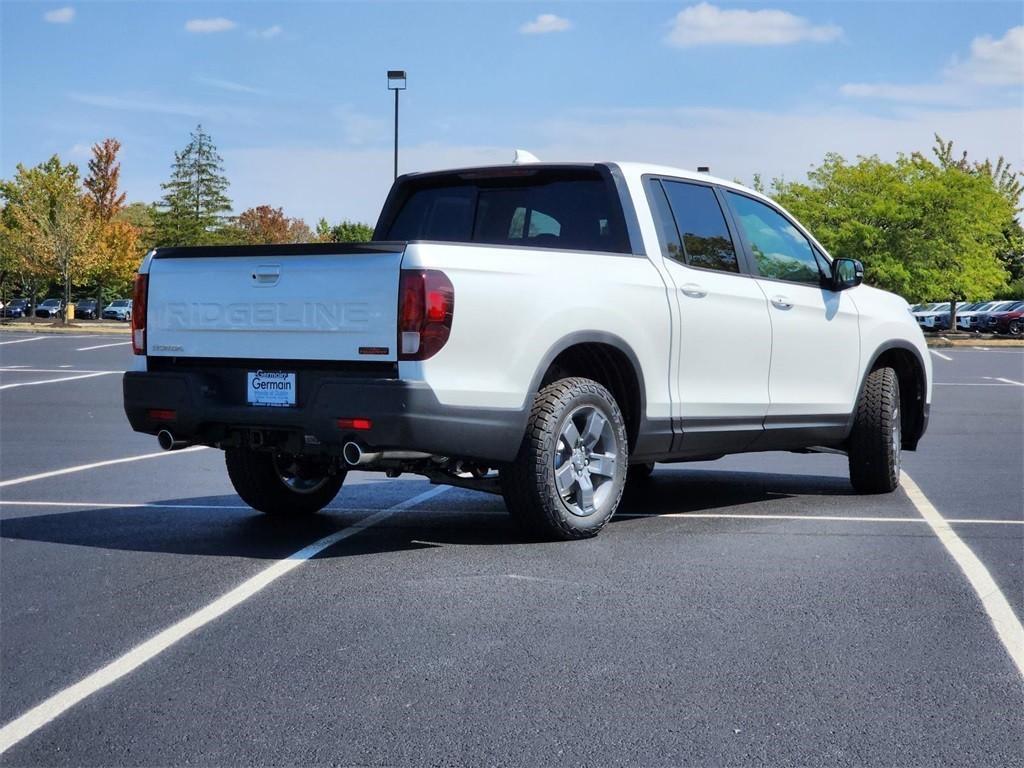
(267, 274)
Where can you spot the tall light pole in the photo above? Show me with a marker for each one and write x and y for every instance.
(396, 83)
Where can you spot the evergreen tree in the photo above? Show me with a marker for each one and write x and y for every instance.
(195, 204)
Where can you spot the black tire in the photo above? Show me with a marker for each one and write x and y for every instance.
(875, 449)
(528, 484)
(638, 473)
(1016, 328)
(261, 479)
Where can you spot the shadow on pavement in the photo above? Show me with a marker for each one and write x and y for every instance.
(218, 527)
(682, 491)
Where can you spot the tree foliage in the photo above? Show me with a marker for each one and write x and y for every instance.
(48, 221)
(103, 194)
(344, 232)
(115, 241)
(264, 224)
(924, 230)
(195, 205)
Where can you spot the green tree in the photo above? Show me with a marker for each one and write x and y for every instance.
(1010, 185)
(345, 232)
(46, 217)
(922, 230)
(195, 205)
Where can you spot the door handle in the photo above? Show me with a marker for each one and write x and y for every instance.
(266, 275)
(693, 290)
(782, 302)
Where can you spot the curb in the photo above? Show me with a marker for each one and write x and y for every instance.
(944, 342)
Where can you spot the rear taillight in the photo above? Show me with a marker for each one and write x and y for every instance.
(139, 314)
(426, 304)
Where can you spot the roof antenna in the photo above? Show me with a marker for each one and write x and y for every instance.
(703, 169)
(522, 157)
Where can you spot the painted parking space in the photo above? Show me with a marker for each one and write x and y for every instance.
(727, 602)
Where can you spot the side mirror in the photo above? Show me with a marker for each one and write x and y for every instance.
(846, 273)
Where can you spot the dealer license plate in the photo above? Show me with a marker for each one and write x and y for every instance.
(273, 388)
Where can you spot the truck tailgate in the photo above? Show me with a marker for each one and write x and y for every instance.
(292, 305)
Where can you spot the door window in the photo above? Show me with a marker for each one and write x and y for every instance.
(780, 250)
(702, 232)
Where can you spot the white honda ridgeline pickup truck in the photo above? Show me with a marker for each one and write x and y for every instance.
(543, 331)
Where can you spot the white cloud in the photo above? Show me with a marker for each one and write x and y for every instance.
(735, 143)
(545, 23)
(360, 129)
(63, 15)
(923, 93)
(706, 24)
(226, 85)
(992, 64)
(207, 26)
(269, 33)
(155, 104)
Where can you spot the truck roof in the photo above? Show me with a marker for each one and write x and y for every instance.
(628, 168)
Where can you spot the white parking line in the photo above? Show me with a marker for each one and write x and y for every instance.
(96, 465)
(939, 354)
(43, 713)
(969, 384)
(22, 341)
(25, 369)
(1006, 623)
(56, 381)
(103, 346)
(161, 505)
(1010, 381)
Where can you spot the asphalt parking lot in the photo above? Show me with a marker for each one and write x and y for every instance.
(751, 611)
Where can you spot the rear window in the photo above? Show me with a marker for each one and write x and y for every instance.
(570, 210)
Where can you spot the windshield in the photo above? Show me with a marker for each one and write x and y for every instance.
(50, 303)
(1013, 307)
(120, 303)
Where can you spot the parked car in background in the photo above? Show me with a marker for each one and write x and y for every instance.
(928, 317)
(1008, 320)
(982, 320)
(118, 309)
(87, 309)
(15, 308)
(967, 319)
(50, 308)
(942, 320)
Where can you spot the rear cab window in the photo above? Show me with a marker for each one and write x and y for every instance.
(568, 208)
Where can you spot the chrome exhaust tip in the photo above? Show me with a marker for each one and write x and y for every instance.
(355, 456)
(168, 442)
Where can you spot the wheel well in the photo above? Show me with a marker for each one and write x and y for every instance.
(910, 373)
(609, 366)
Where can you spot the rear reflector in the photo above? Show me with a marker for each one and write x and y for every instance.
(360, 424)
(162, 414)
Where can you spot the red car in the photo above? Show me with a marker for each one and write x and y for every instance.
(1010, 320)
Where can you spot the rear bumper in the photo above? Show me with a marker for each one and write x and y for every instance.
(405, 415)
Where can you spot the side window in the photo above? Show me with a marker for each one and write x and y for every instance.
(667, 232)
(701, 226)
(780, 250)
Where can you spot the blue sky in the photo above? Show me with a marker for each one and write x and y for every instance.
(294, 93)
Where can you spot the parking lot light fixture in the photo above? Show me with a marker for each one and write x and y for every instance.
(396, 83)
